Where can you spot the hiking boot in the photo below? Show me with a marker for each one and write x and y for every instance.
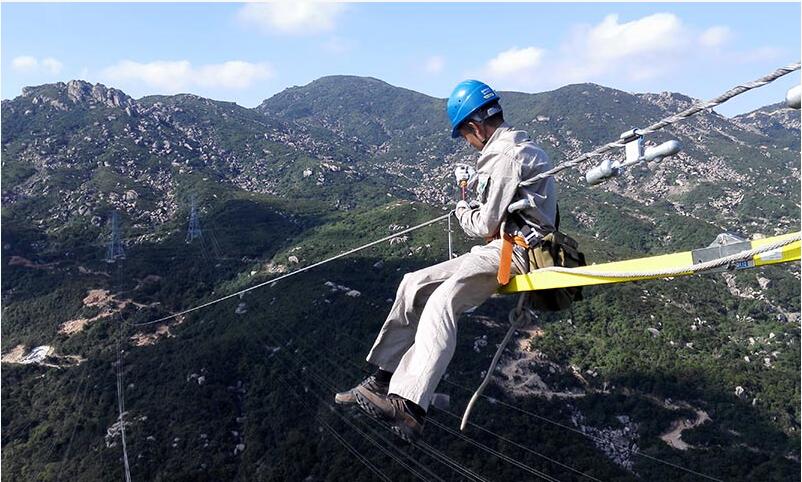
(392, 409)
(371, 384)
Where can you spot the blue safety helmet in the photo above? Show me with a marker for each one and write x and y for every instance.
(468, 97)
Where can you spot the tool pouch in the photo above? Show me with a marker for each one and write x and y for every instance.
(555, 249)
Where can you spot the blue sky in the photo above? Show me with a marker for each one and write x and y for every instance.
(248, 53)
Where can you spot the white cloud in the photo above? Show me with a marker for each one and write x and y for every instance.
(611, 40)
(293, 17)
(174, 76)
(52, 65)
(612, 52)
(434, 64)
(26, 63)
(715, 36)
(606, 52)
(515, 61)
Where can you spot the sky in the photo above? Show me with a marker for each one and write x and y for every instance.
(246, 53)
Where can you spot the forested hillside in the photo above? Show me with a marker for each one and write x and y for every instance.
(663, 379)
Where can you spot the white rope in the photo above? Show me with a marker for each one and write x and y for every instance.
(695, 109)
(695, 268)
(518, 317)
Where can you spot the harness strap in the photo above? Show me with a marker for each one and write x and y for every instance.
(505, 264)
(508, 240)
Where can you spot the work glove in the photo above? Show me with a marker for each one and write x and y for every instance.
(465, 205)
(465, 175)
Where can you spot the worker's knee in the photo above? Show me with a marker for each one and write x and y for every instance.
(410, 280)
(441, 302)
(405, 284)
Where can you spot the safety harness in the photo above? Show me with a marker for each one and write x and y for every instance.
(553, 249)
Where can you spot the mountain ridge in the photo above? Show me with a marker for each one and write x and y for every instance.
(84, 84)
(327, 169)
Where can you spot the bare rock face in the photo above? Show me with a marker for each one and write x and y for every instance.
(772, 117)
(79, 91)
(670, 100)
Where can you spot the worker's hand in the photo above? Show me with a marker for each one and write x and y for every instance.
(464, 174)
(465, 205)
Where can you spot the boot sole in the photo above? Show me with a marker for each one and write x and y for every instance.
(370, 409)
(344, 402)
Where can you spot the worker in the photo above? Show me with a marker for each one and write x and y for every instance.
(417, 341)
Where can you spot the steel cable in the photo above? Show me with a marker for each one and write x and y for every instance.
(695, 109)
(429, 450)
(555, 423)
(500, 455)
(297, 271)
(745, 255)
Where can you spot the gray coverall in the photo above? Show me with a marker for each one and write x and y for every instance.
(418, 338)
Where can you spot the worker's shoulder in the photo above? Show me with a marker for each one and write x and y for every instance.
(519, 147)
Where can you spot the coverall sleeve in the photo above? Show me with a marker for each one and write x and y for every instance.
(502, 184)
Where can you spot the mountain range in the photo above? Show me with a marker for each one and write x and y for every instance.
(701, 373)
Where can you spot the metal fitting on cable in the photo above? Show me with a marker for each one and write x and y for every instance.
(604, 171)
(635, 154)
(793, 97)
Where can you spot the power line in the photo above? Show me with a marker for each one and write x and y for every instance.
(74, 429)
(552, 422)
(522, 447)
(365, 461)
(586, 435)
(493, 452)
(378, 445)
(121, 386)
(298, 271)
(528, 468)
(428, 449)
(673, 119)
(430, 475)
(502, 456)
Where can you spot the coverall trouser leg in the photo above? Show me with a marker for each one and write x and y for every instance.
(418, 338)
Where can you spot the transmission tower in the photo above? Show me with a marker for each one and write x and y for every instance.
(114, 250)
(209, 246)
(194, 229)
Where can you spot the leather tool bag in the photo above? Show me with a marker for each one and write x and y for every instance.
(555, 249)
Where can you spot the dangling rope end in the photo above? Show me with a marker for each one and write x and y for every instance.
(519, 316)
